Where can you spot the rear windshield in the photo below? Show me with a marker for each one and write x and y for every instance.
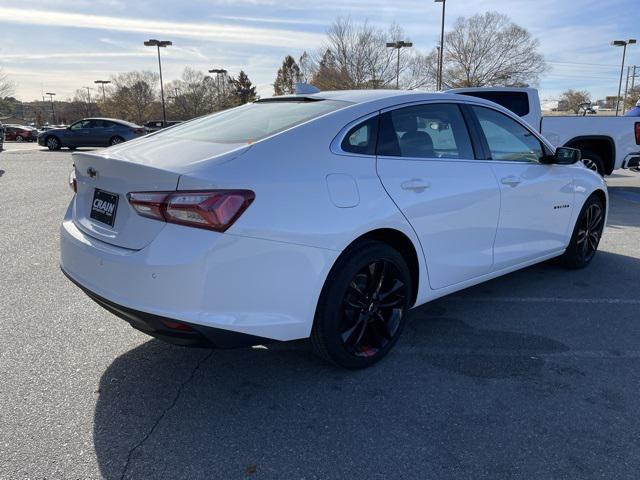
(254, 121)
(517, 102)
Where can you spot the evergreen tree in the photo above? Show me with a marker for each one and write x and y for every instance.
(287, 77)
(242, 89)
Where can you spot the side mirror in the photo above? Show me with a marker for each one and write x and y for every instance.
(566, 156)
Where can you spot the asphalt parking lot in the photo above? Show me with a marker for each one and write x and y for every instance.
(535, 375)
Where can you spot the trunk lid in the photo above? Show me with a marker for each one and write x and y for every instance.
(104, 178)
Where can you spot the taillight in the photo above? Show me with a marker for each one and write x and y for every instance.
(213, 209)
(138, 131)
(73, 182)
(637, 133)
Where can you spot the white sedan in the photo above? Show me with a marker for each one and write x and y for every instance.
(326, 215)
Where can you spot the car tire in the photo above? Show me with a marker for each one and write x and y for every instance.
(53, 143)
(586, 234)
(115, 141)
(363, 305)
(19, 138)
(593, 161)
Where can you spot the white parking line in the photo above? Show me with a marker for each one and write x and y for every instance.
(603, 301)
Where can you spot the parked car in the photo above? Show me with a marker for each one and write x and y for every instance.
(607, 143)
(325, 215)
(1, 136)
(156, 125)
(91, 132)
(20, 133)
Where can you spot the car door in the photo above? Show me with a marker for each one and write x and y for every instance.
(97, 136)
(77, 134)
(536, 198)
(426, 162)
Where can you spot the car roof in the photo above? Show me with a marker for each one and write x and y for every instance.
(116, 120)
(386, 98)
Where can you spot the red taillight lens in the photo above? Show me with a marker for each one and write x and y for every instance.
(148, 204)
(138, 131)
(214, 210)
(637, 133)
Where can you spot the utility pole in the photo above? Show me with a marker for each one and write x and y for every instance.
(53, 112)
(621, 43)
(89, 101)
(441, 50)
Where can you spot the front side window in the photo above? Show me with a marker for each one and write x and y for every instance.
(80, 124)
(254, 121)
(362, 138)
(507, 139)
(433, 130)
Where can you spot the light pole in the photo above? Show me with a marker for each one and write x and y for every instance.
(103, 82)
(158, 44)
(53, 112)
(398, 45)
(623, 44)
(89, 101)
(441, 50)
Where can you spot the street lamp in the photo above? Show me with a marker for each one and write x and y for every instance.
(158, 44)
(398, 45)
(441, 49)
(103, 82)
(621, 43)
(53, 112)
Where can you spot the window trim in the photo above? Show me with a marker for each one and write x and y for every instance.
(336, 144)
(515, 118)
(474, 148)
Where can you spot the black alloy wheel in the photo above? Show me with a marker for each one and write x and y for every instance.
(586, 234)
(362, 309)
(372, 309)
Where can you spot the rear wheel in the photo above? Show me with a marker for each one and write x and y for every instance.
(53, 143)
(116, 141)
(19, 138)
(361, 311)
(593, 161)
(586, 234)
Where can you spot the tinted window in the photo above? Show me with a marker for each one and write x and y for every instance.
(517, 102)
(424, 131)
(80, 124)
(507, 139)
(253, 121)
(362, 138)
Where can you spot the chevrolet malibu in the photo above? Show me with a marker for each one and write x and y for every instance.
(327, 215)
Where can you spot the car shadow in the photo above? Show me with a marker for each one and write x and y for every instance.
(1, 173)
(171, 412)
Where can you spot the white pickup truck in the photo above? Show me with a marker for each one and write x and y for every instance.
(607, 142)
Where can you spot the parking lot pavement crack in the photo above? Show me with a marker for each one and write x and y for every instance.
(164, 413)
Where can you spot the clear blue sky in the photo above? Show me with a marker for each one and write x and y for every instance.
(62, 45)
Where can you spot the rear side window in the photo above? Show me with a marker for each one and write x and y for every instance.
(517, 102)
(362, 138)
(435, 130)
(254, 121)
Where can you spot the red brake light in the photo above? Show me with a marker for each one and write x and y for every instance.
(214, 209)
(138, 131)
(637, 133)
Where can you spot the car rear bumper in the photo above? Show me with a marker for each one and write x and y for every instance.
(237, 284)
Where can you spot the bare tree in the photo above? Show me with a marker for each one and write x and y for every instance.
(490, 50)
(574, 100)
(133, 96)
(356, 56)
(191, 96)
(7, 87)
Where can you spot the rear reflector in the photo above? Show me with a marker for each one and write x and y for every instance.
(213, 209)
(637, 133)
(177, 326)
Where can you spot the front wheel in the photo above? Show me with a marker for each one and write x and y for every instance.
(586, 234)
(19, 139)
(53, 143)
(362, 308)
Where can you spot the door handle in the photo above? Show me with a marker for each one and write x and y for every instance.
(417, 185)
(511, 180)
